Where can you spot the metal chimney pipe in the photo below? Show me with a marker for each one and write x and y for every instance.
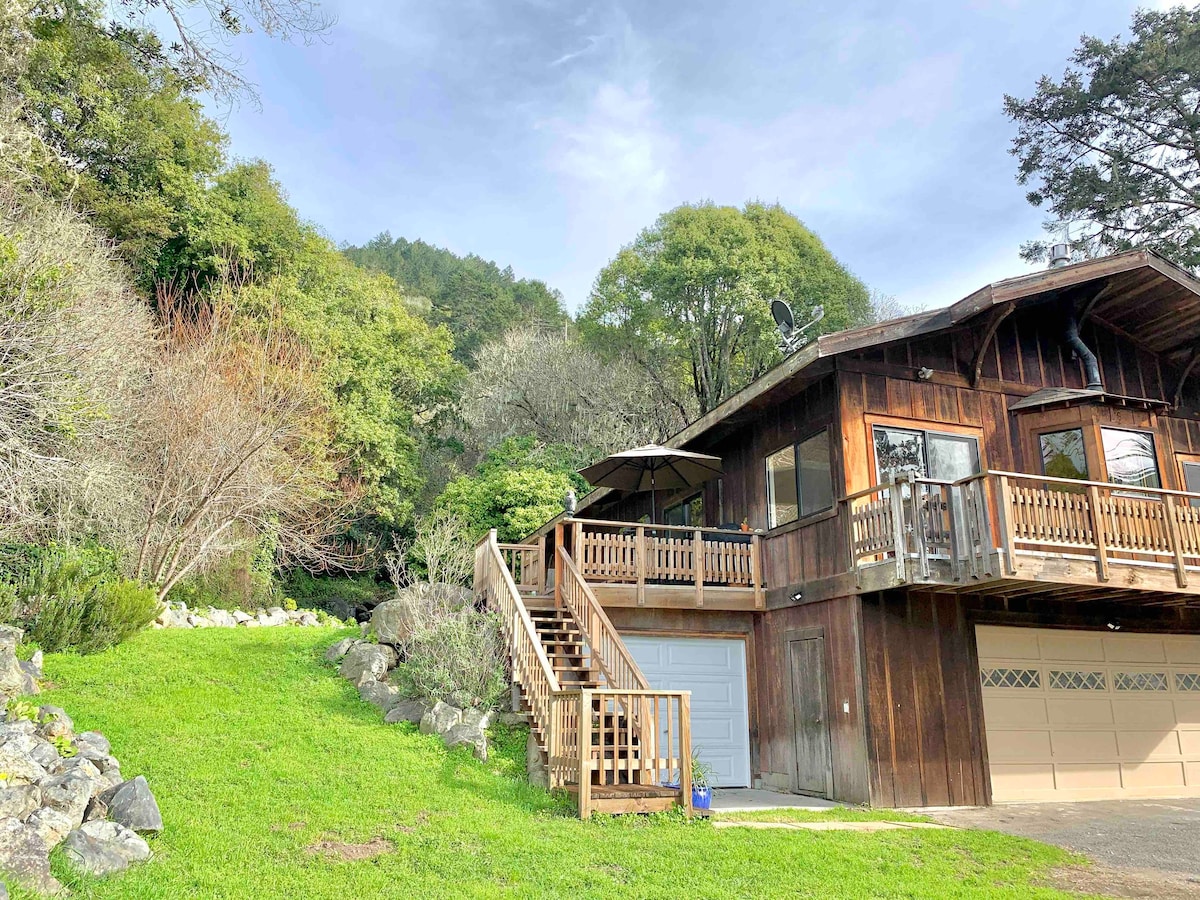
(1090, 367)
(1060, 255)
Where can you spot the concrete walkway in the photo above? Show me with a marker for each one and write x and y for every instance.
(749, 799)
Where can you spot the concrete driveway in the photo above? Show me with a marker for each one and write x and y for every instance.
(1142, 836)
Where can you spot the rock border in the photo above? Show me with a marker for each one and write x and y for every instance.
(177, 615)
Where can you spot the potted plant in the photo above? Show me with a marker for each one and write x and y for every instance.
(702, 774)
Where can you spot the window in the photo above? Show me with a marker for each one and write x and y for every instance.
(1129, 458)
(799, 480)
(928, 454)
(689, 512)
(1191, 480)
(1063, 454)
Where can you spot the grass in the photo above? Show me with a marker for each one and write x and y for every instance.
(258, 752)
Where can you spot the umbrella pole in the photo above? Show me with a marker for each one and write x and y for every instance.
(653, 511)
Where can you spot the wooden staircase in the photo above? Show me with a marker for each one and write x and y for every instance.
(607, 738)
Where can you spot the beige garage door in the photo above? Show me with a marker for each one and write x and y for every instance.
(1086, 715)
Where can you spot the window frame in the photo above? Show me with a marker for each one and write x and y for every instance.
(924, 429)
(1059, 429)
(801, 515)
(1102, 427)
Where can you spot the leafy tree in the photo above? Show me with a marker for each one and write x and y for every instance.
(515, 501)
(1114, 147)
(388, 375)
(689, 300)
(474, 298)
(134, 147)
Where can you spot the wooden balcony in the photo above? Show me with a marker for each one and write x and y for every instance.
(1006, 532)
(636, 564)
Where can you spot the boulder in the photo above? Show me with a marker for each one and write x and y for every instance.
(25, 857)
(93, 740)
(467, 735)
(101, 848)
(52, 825)
(221, 618)
(393, 620)
(174, 618)
(440, 718)
(69, 794)
(407, 711)
(19, 768)
(513, 719)
(78, 765)
(307, 620)
(478, 718)
(199, 621)
(379, 693)
(275, 616)
(13, 680)
(96, 809)
(54, 722)
(535, 763)
(340, 649)
(10, 636)
(241, 618)
(133, 805)
(44, 754)
(367, 662)
(19, 801)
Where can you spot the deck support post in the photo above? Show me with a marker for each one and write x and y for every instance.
(1098, 533)
(640, 559)
(756, 570)
(698, 564)
(1176, 539)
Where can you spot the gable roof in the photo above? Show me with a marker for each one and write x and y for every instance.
(1165, 319)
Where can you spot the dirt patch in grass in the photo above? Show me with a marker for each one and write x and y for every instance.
(351, 852)
(1130, 884)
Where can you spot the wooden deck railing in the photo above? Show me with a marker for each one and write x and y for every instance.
(524, 563)
(914, 521)
(608, 551)
(1113, 524)
(632, 738)
(530, 666)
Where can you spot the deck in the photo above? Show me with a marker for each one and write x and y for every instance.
(1007, 532)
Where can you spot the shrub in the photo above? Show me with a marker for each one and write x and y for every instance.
(457, 657)
(334, 594)
(69, 603)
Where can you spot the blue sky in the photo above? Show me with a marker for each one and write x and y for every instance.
(546, 134)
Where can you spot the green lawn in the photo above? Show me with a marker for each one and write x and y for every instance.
(258, 752)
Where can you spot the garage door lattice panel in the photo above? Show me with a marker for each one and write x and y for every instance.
(1075, 715)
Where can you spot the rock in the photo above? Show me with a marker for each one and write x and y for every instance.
(45, 754)
(68, 793)
(478, 718)
(199, 621)
(274, 616)
(467, 735)
(78, 765)
(25, 857)
(19, 801)
(340, 649)
(10, 636)
(367, 662)
(535, 763)
(407, 711)
(440, 718)
(240, 617)
(221, 618)
(101, 848)
(54, 722)
(133, 805)
(513, 719)
(393, 621)
(13, 680)
(96, 809)
(380, 694)
(307, 620)
(93, 740)
(19, 768)
(52, 825)
(174, 618)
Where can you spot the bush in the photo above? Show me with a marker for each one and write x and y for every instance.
(67, 602)
(456, 657)
(338, 595)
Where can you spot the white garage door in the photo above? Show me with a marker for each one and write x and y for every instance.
(714, 670)
(1087, 715)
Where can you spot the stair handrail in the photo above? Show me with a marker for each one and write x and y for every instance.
(609, 652)
(531, 666)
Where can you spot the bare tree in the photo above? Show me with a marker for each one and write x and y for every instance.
(205, 29)
(234, 448)
(441, 552)
(531, 382)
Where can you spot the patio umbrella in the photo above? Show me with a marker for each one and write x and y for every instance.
(652, 467)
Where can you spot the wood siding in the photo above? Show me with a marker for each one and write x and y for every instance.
(838, 621)
(924, 706)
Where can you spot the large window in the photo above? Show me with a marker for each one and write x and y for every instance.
(799, 480)
(689, 512)
(1129, 457)
(1191, 480)
(928, 454)
(1063, 454)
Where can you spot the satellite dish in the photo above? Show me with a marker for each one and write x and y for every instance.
(793, 337)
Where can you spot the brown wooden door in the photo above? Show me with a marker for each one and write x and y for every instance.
(814, 772)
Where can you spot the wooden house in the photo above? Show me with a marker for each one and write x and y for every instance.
(972, 572)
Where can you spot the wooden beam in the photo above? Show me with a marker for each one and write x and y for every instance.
(997, 317)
